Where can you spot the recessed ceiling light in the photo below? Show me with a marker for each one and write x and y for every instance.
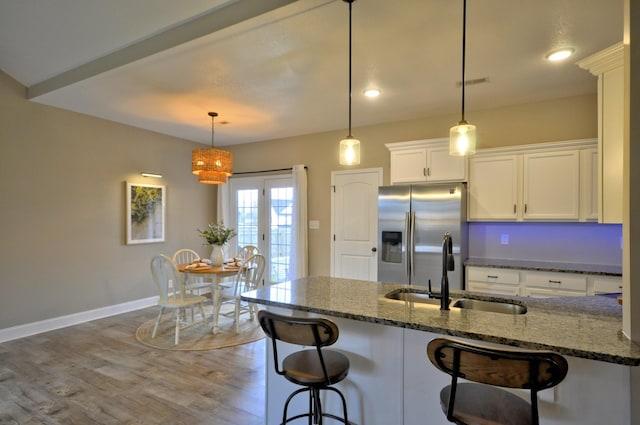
(559, 54)
(372, 92)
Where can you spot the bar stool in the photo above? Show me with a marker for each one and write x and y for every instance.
(483, 404)
(314, 369)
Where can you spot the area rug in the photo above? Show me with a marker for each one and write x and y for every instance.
(199, 337)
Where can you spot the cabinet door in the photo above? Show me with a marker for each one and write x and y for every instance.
(493, 187)
(589, 184)
(551, 185)
(444, 167)
(408, 165)
(605, 285)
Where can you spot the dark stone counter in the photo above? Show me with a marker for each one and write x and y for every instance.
(547, 266)
(587, 327)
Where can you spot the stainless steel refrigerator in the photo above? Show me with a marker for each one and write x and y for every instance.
(412, 221)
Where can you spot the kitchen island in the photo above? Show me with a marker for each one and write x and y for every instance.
(392, 381)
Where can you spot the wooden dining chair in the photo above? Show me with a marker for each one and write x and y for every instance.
(248, 278)
(247, 251)
(480, 402)
(193, 283)
(172, 295)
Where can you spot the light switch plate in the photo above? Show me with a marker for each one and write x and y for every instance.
(314, 224)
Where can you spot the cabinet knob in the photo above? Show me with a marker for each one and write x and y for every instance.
(374, 249)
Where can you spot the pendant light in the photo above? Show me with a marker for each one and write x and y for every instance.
(211, 165)
(462, 137)
(349, 146)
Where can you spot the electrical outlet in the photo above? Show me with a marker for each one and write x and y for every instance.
(504, 239)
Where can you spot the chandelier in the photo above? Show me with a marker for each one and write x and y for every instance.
(211, 165)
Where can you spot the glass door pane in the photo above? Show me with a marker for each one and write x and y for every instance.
(280, 201)
(247, 215)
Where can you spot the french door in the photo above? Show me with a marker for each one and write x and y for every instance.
(261, 210)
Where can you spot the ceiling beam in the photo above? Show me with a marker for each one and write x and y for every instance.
(208, 23)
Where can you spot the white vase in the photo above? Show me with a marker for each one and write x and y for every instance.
(217, 255)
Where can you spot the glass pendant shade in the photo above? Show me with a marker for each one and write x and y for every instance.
(462, 139)
(212, 177)
(350, 151)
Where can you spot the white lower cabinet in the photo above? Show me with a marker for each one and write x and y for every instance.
(493, 280)
(538, 284)
(544, 284)
(605, 285)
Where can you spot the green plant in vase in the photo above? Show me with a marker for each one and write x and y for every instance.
(217, 235)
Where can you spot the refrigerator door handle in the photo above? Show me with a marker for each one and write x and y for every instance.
(412, 244)
(407, 243)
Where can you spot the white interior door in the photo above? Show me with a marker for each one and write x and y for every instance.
(354, 223)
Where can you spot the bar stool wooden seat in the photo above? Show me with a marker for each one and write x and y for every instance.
(480, 402)
(314, 369)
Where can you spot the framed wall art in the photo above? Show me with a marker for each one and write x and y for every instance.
(146, 204)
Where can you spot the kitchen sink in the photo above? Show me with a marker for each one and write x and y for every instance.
(414, 295)
(421, 296)
(490, 306)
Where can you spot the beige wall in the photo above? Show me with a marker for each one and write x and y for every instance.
(62, 208)
(62, 177)
(565, 119)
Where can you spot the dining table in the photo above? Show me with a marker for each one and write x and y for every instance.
(216, 273)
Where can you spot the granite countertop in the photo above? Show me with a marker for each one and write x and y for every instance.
(548, 266)
(587, 327)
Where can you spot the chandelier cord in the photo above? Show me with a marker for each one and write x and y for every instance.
(212, 115)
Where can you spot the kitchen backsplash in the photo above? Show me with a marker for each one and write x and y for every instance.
(585, 243)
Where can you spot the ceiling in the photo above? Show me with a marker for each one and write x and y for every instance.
(279, 68)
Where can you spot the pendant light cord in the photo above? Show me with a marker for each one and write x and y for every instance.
(212, 115)
(464, 43)
(350, 6)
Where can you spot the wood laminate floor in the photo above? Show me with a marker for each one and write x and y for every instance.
(97, 373)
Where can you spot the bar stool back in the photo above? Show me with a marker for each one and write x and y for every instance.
(314, 369)
(483, 404)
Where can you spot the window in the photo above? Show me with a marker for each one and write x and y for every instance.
(261, 209)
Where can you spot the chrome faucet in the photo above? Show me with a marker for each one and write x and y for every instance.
(447, 265)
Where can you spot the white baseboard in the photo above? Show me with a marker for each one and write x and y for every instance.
(21, 331)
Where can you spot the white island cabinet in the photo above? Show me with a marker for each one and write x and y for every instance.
(391, 380)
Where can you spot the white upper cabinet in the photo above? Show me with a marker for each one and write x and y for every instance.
(608, 66)
(425, 161)
(494, 187)
(551, 185)
(543, 182)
